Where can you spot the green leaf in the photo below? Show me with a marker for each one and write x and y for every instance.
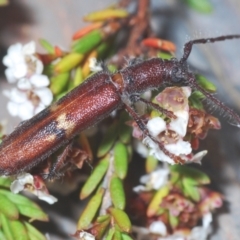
(90, 210)
(121, 219)
(174, 177)
(191, 191)
(101, 228)
(95, 178)
(108, 140)
(32, 211)
(33, 233)
(59, 83)
(5, 182)
(88, 42)
(164, 55)
(117, 235)
(126, 237)
(19, 231)
(196, 100)
(117, 193)
(6, 228)
(154, 205)
(105, 14)
(8, 208)
(193, 175)
(206, 84)
(68, 62)
(151, 163)
(25, 206)
(203, 6)
(173, 221)
(102, 218)
(110, 234)
(78, 77)
(120, 160)
(2, 237)
(47, 46)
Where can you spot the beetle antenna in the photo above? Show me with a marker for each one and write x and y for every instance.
(218, 103)
(188, 46)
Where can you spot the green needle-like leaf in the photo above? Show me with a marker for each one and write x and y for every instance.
(117, 193)
(19, 231)
(7, 231)
(205, 83)
(8, 208)
(90, 210)
(33, 233)
(25, 206)
(108, 140)
(120, 160)
(194, 176)
(95, 178)
(88, 42)
(121, 219)
(68, 62)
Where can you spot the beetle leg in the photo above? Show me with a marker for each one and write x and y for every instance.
(145, 131)
(166, 112)
(54, 171)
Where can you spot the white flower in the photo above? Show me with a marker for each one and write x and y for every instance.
(154, 180)
(31, 97)
(21, 62)
(86, 236)
(171, 134)
(158, 227)
(35, 185)
(94, 66)
(202, 232)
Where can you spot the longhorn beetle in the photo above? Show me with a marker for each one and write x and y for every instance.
(36, 139)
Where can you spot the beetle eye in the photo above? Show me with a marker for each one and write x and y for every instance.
(177, 74)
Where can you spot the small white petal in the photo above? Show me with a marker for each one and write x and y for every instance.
(94, 66)
(179, 125)
(12, 108)
(39, 66)
(26, 110)
(156, 152)
(29, 48)
(45, 197)
(139, 188)
(158, 227)
(15, 95)
(24, 84)
(39, 81)
(156, 179)
(180, 147)
(187, 91)
(197, 158)
(140, 148)
(20, 70)
(207, 219)
(45, 95)
(156, 125)
(10, 76)
(19, 184)
(86, 236)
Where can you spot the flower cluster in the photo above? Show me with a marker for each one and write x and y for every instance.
(33, 184)
(174, 135)
(25, 69)
(175, 204)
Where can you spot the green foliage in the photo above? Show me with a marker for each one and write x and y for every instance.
(203, 6)
(15, 212)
